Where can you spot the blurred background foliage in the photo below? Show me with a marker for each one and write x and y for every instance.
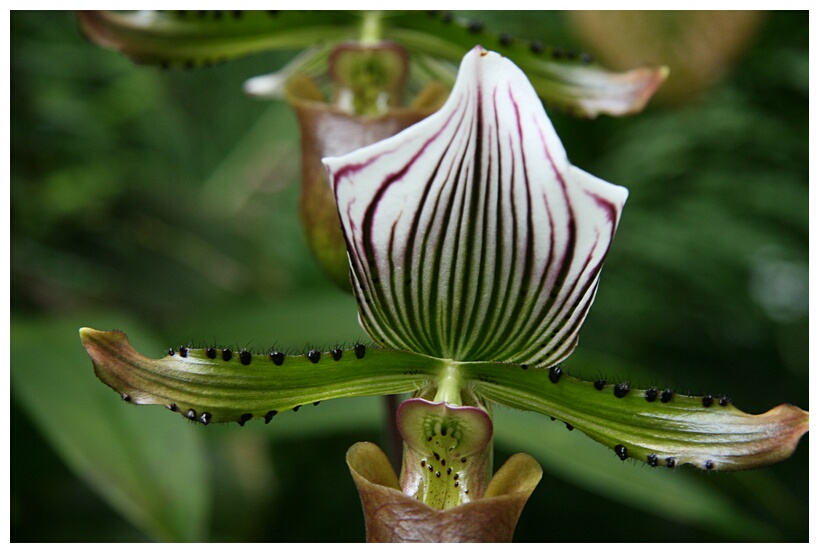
(164, 203)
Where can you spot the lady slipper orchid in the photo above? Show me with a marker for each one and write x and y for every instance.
(475, 250)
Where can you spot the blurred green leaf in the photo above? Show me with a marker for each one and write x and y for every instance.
(151, 468)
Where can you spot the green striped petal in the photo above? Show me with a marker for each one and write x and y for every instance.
(220, 385)
(470, 235)
(659, 427)
(197, 38)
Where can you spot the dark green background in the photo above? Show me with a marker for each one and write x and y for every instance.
(164, 203)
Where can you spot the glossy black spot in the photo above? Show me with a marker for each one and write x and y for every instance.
(269, 416)
(205, 418)
(125, 397)
(475, 26)
(449, 471)
(621, 451)
(227, 354)
(431, 469)
(360, 350)
(296, 408)
(437, 474)
(505, 39)
(709, 465)
(336, 353)
(183, 351)
(173, 407)
(569, 427)
(707, 401)
(437, 457)
(651, 394)
(463, 459)
(244, 418)
(652, 459)
(456, 476)
(191, 414)
(423, 462)
(211, 353)
(666, 395)
(670, 462)
(171, 352)
(316, 403)
(314, 356)
(620, 390)
(553, 419)
(536, 47)
(724, 401)
(554, 374)
(245, 357)
(599, 384)
(457, 484)
(524, 366)
(277, 357)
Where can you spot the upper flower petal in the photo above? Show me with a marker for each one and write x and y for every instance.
(470, 235)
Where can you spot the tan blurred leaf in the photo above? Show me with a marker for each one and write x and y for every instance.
(698, 46)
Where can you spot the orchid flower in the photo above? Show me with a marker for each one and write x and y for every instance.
(387, 70)
(435, 41)
(475, 251)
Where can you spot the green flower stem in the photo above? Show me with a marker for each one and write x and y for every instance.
(450, 384)
(370, 28)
